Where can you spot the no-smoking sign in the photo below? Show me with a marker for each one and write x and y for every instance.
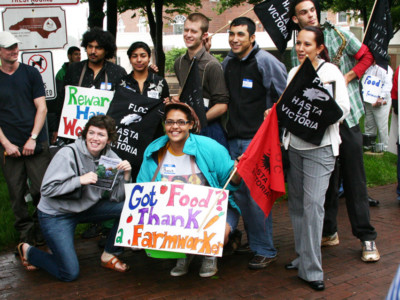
(43, 62)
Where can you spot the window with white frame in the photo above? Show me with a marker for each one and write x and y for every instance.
(341, 17)
(324, 17)
(121, 25)
(142, 24)
(179, 20)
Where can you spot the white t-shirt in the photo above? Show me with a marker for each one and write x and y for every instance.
(177, 168)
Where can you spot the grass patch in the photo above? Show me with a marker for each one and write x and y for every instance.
(380, 169)
(8, 235)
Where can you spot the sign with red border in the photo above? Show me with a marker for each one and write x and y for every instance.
(43, 62)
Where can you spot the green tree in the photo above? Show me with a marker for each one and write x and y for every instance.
(362, 9)
(156, 11)
(170, 58)
(96, 14)
(362, 6)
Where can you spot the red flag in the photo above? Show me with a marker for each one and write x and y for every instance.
(261, 164)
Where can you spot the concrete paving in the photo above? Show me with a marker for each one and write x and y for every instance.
(346, 276)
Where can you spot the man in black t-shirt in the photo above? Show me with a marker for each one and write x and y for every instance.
(23, 141)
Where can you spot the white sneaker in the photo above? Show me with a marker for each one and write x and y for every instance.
(369, 251)
(331, 240)
(182, 266)
(208, 267)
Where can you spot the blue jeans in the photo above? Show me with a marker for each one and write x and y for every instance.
(258, 228)
(58, 231)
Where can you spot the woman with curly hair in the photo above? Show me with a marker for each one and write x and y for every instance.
(71, 168)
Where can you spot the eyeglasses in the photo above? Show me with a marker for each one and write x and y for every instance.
(178, 122)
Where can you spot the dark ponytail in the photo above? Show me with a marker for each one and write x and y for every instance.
(319, 39)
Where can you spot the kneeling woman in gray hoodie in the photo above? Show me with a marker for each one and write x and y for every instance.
(74, 167)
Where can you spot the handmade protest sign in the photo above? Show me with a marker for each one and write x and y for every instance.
(137, 118)
(306, 108)
(80, 104)
(371, 88)
(167, 215)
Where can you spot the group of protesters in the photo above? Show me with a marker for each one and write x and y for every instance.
(245, 87)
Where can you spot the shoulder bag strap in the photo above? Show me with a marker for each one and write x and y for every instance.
(193, 166)
(319, 67)
(159, 165)
(82, 74)
(76, 160)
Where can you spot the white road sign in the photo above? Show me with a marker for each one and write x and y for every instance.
(38, 28)
(37, 2)
(43, 62)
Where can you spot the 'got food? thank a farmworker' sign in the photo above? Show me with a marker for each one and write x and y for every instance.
(80, 104)
(167, 216)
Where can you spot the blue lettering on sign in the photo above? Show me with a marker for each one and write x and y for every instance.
(148, 199)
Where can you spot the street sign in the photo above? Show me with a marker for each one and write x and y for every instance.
(37, 2)
(43, 62)
(37, 28)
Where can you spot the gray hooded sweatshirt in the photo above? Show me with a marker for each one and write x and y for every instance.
(61, 177)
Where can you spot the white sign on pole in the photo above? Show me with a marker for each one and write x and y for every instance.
(37, 28)
(43, 62)
(37, 2)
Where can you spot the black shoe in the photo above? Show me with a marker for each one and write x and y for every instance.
(291, 267)
(243, 249)
(235, 240)
(317, 285)
(260, 262)
(372, 202)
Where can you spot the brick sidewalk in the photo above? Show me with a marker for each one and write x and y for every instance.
(346, 276)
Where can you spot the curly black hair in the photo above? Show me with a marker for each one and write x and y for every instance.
(104, 38)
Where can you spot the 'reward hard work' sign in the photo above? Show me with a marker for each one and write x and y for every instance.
(167, 216)
(80, 104)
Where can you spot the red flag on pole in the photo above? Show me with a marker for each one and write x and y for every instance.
(261, 164)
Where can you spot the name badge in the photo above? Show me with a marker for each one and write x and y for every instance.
(169, 169)
(153, 94)
(103, 86)
(247, 83)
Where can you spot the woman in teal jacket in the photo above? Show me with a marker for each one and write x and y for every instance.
(183, 156)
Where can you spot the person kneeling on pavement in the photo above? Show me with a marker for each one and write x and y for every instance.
(74, 167)
(195, 159)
